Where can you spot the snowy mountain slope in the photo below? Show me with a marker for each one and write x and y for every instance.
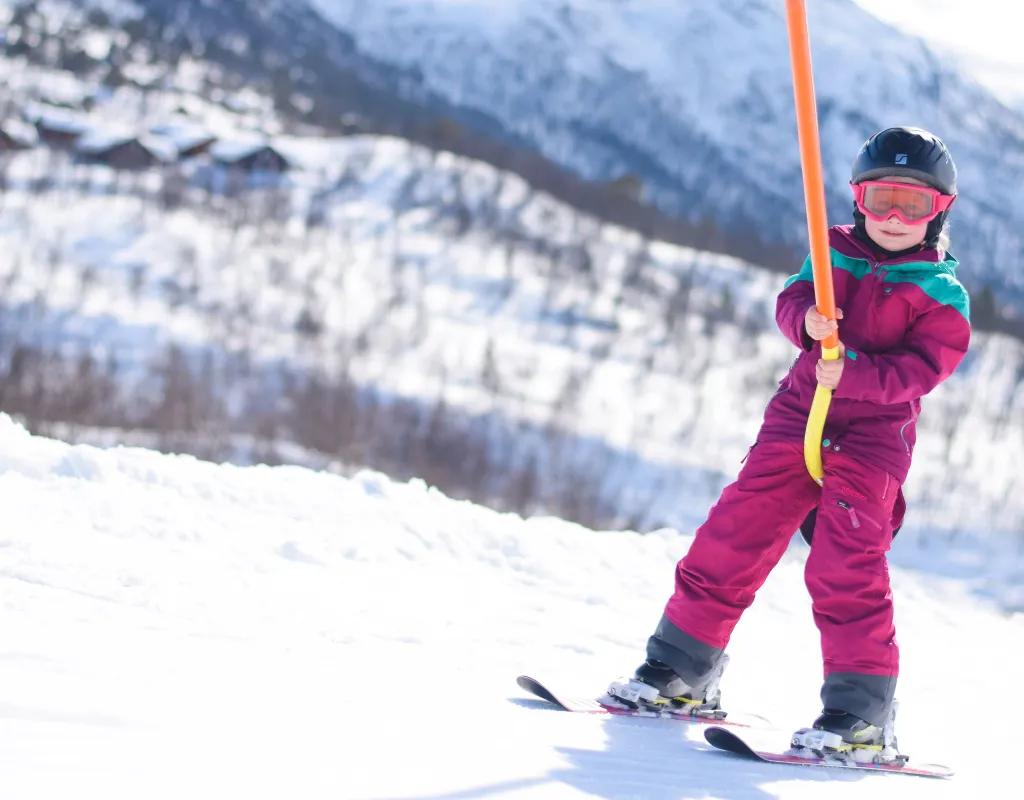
(696, 98)
(983, 40)
(175, 629)
(233, 54)
(636, 354)
(228, 50)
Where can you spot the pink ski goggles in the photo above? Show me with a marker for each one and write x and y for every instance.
(912, 204)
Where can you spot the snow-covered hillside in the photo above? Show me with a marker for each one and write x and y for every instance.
(446, 282)
(696, 98)
(582, 369)
(693, 98)
(172, 629)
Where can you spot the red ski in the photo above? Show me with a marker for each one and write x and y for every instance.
(608, 705)
(732, 743)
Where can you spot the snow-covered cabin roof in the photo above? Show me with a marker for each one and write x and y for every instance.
(98, 140)
(251, 153)
(63, 90)
(163, 148)
(187, 140)
(103, 138)
(56, 119)
(21, 132)
(184, 132)
(229, 150)
(60, 123)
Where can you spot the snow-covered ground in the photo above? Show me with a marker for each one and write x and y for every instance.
(171, 628)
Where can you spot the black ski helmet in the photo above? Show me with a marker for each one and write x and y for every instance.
(912, 153)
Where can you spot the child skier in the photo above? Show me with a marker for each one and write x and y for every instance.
(904, 330)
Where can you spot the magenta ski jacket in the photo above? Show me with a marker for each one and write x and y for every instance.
(905, 327)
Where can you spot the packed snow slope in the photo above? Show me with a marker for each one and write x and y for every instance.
(172, 629)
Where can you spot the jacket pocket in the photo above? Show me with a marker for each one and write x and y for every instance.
(856, 519)
(851, 511)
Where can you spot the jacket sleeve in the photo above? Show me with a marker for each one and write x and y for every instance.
(792, 304)
(931, 350)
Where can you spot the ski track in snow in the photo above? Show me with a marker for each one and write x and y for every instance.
(173, 629)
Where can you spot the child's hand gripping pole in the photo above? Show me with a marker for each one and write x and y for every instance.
(817, 222)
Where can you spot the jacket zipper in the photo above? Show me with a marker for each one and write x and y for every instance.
(881, 273)
(903, 438)
(781, 391)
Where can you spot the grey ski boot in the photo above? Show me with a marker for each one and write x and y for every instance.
(839, 734)
(656, 687)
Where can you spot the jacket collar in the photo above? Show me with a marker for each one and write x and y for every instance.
(843, 241)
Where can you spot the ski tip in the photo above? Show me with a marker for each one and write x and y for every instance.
(538, 689)
(723, 739)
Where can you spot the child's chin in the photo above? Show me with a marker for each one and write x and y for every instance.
(893, 242)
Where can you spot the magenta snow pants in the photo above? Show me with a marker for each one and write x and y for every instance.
(745, 536)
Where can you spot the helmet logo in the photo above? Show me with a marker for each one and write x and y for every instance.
(901, 158)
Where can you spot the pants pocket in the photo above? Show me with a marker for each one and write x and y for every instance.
(856, 518)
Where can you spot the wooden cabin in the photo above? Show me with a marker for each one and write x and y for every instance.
(60, 134)
(252, 158)
(15, 136)
(122, 153)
